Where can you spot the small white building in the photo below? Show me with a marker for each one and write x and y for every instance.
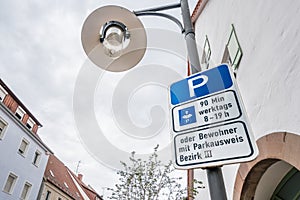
(261, 40)
(24, 156)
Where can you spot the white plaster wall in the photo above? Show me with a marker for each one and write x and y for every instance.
(269, 72)
(12, 161)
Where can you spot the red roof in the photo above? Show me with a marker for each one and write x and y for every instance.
(19, 102)
(62, 178)
(89, 191)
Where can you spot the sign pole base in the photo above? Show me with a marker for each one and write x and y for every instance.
(216, 183)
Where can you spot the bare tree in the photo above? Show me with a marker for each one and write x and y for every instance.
(148, 180)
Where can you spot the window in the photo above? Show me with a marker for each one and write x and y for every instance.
(3, 93)
(20, 113)
(23, 147)
(10, 183)
(48, 195)
(37, 158)
(51, 172)
(3, 126)
(233, 52)
(77, 194)
(25, 191)
(206, 54)
(289, 187)
(66, 185)
(30, 124)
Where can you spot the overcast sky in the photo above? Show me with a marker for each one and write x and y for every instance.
(42, 60)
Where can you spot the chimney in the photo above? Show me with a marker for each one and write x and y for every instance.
(80, 177)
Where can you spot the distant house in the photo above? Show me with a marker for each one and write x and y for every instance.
(60, 183)
(24, 156)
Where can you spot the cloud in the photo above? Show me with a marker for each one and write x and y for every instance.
(41, 56)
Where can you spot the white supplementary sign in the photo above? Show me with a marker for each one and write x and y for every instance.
(209, 122)
(216, 108)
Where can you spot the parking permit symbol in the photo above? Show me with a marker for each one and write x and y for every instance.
(187, 116)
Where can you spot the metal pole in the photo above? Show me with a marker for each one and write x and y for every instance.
(190, 37)
(214, 175)
(216, 183)
(195, 67)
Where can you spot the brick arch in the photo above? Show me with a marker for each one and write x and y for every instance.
(272, 148)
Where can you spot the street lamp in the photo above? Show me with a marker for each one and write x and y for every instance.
(115, 40)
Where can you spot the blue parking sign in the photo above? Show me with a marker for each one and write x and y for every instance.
(201, 84)
(209, 122)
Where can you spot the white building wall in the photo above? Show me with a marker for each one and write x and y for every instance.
(22, 166)
(269, 73)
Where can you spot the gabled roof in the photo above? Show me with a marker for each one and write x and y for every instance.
(9, 112)
(57, 174)
(19, 102)
(88, 190)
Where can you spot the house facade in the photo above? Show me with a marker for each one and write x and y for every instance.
(260, 40)
(29, 169)
(23, 155)
(60, 183)
(57, 182)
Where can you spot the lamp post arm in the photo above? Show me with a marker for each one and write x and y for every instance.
(167, 7)
(170, 17)
(186, 28)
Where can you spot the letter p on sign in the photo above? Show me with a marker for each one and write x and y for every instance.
(193, 85)
(201, 84)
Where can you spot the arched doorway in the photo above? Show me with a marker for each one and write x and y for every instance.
(269, 175)
(289, 187)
